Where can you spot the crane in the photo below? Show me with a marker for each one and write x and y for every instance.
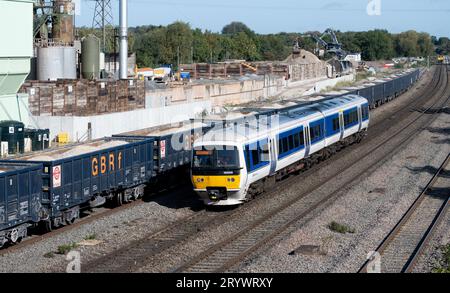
(334, 47)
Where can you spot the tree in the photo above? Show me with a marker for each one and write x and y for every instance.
(236, 27)
(375, 45)
(156, 45)
(406, 44)
(244, 47)
(179, 39)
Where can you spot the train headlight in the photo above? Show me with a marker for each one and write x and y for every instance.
(200, 180)
(231, 180)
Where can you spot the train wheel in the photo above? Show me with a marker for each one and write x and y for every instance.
(46, 226)
(119, 199)
(14, 236)
(70, 221)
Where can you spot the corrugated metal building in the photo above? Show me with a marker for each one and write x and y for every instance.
(16, 30)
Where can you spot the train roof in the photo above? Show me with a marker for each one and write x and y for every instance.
(248, 131)
(75, 150)
(7, 167)
(166, 129)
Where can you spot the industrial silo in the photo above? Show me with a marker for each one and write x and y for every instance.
(70, 63)
(90, 57)
(50, 63)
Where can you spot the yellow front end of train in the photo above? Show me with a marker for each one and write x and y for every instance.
(217, 175)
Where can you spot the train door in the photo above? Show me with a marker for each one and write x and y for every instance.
(342, 125)
(273, 156)
(360, 117)
(307, 141)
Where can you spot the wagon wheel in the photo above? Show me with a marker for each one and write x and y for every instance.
(119, 199)
(70, 221)
(14, 236)
(46, 226)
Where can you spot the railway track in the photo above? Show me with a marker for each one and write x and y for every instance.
(404, 245)
(96, 215)
(140, 253)
(233, 250)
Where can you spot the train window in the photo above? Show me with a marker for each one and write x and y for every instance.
(255, 157)
(365, 112)
(302, 138)
(220, 157)
(296, 140)
(336, 124)
(265, 154)
(285, 145)
(351, 118)
(316, 133)
(291, 142)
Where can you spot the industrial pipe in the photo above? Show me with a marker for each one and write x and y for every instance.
(123, 58)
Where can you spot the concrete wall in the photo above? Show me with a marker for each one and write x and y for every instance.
(163, 107)
(115, 123)
(170, 106)
(220, 93)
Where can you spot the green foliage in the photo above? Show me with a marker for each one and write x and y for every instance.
(49, 255)
(235, 28)
(178, 42)
(64, 249)
(339, 228)
(90, 237)
(442, 46)
(444, 263)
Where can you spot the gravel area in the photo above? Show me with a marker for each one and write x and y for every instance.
(120, 229)
(433, 253)
(179, 254)
(371, 208)
(111, 233)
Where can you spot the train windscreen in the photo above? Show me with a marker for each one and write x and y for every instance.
(216, 158)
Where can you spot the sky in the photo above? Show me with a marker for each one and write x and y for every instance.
(269, 16)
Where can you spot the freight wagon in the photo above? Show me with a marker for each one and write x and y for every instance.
(86, 175)
(379, 93)
(172, 145)
(20, 200)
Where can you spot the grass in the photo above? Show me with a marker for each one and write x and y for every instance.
(340, 228)
(337, 87)
(90, 237)
(362, 75)
(444, 263)
(64, 249)
(49, 254)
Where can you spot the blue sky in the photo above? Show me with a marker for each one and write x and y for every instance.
(269, 16)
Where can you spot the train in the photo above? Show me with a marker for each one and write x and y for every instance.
(50, 188)
(233, 165)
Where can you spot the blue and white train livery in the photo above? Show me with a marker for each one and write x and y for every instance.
(230, 166)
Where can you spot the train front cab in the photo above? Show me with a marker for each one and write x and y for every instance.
(216, 174)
